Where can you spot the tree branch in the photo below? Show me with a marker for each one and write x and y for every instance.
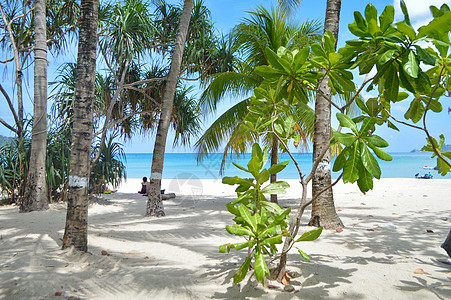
(10, 104)
(7, 125)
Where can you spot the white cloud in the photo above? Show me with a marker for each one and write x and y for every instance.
(418, 10)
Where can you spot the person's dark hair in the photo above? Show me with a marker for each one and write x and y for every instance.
(145, 179)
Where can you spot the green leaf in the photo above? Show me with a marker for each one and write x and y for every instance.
(369, 161)
(260, 267)
(301, 57)
(415, 111)
(367, 125)
(391, 83)
(328, 42)
(318, 50)
(405, 81)
(373, 107)
(405, 12)
(424, 56)
(345, 121)
(240, 167)
(365, 181)
(247, 244)
(303, 255)
(340, 160)
(233, 209)
(273, 206)
(239, 230)
(436, 27)
(277, 187)
(351, 168)
(377, 141)
(247, 216)
(273, 60)
(242, 271)
(387, 17)
(381, 154)
(278, 167)
(407, 30)
(411, 66)
(310, 235)
(263, 177)
(346, 139)
(277, 239)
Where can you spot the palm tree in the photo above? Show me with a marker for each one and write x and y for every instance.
(35, 197)
(76, 229)
(154, 203)
(323, 208)
(249, 40)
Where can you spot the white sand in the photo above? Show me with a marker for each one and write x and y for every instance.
(176, 257)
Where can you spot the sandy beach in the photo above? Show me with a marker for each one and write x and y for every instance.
(390, 232)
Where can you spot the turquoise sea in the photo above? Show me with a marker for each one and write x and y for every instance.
(184, 165)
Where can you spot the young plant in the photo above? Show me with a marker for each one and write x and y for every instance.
(261, 222)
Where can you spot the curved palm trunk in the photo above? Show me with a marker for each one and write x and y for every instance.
(76, 230)
(323, 208)
(35, 197)
(154, 202)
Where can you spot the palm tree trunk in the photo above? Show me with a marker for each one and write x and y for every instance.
(76, 230)
(323, 208)
(35, 197)
(447, 244)
(274, 161)
(154, 202)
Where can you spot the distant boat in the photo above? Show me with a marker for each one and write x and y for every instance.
(425, 176)
(429, 168)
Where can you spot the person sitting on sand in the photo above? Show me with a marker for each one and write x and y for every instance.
(143, 186)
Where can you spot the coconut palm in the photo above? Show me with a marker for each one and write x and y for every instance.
(76, 229)
(249, 41)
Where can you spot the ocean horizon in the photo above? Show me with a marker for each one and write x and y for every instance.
(184, 166)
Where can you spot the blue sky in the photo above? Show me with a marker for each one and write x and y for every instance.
(226, 14)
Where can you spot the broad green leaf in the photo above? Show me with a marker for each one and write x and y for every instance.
(239, 230)
(340, 161)
(240, 167)
(387, 17)
(233, 209)
(236, 180)
(242, 271)
(369, 161)
(303, 255)
(406, 30)
(289, 123)
(278, 167)
(328, 42)
(370, 12)
(273, 240)
(436, 27)
(381, 154)
(278, 220)
(391, 83)
(373, 107)
(405, 12)
(352, 165)
(318, 50)
(260, 267)
(247, 244)
(247, 216)
(225, 248)
(254, 165)
(424, 56)
(415, 111)
(277, 187)
(365, 181)
(273, 206)
(434, 105)
(346, 139)
(377, 141)
(405, 81)
(301, 57)
(411, 66)
(386, 56)
(345, 121)
(263, 177)
(442, 167)
(310, 235)
(367, 125)
(274, 60)
(360, 21)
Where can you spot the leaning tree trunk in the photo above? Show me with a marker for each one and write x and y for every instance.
(447, 244)
(323, 208)
(154, 202)
(35, 197)
(76, 231)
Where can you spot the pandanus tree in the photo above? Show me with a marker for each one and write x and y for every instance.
(248, 42)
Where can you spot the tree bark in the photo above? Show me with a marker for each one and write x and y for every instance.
(323, 208)
(447, 244)
(35, 197)
(274, 161)
(76, 230)
(154, 203)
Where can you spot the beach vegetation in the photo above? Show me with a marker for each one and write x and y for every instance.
(261, 222)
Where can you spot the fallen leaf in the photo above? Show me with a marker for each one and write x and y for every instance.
(444, 219)
(362, 203)
(370, 229)
(370, 216)
(114, 204)
(430, 231)
(420, 271)
(395, 205)
(104, 252)
(58, 294)
(425, 195)
(285, 279)
(359, 219)
(146, 257)
(339, 230)
(273, 287)
(394, 214)
(338, 209)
